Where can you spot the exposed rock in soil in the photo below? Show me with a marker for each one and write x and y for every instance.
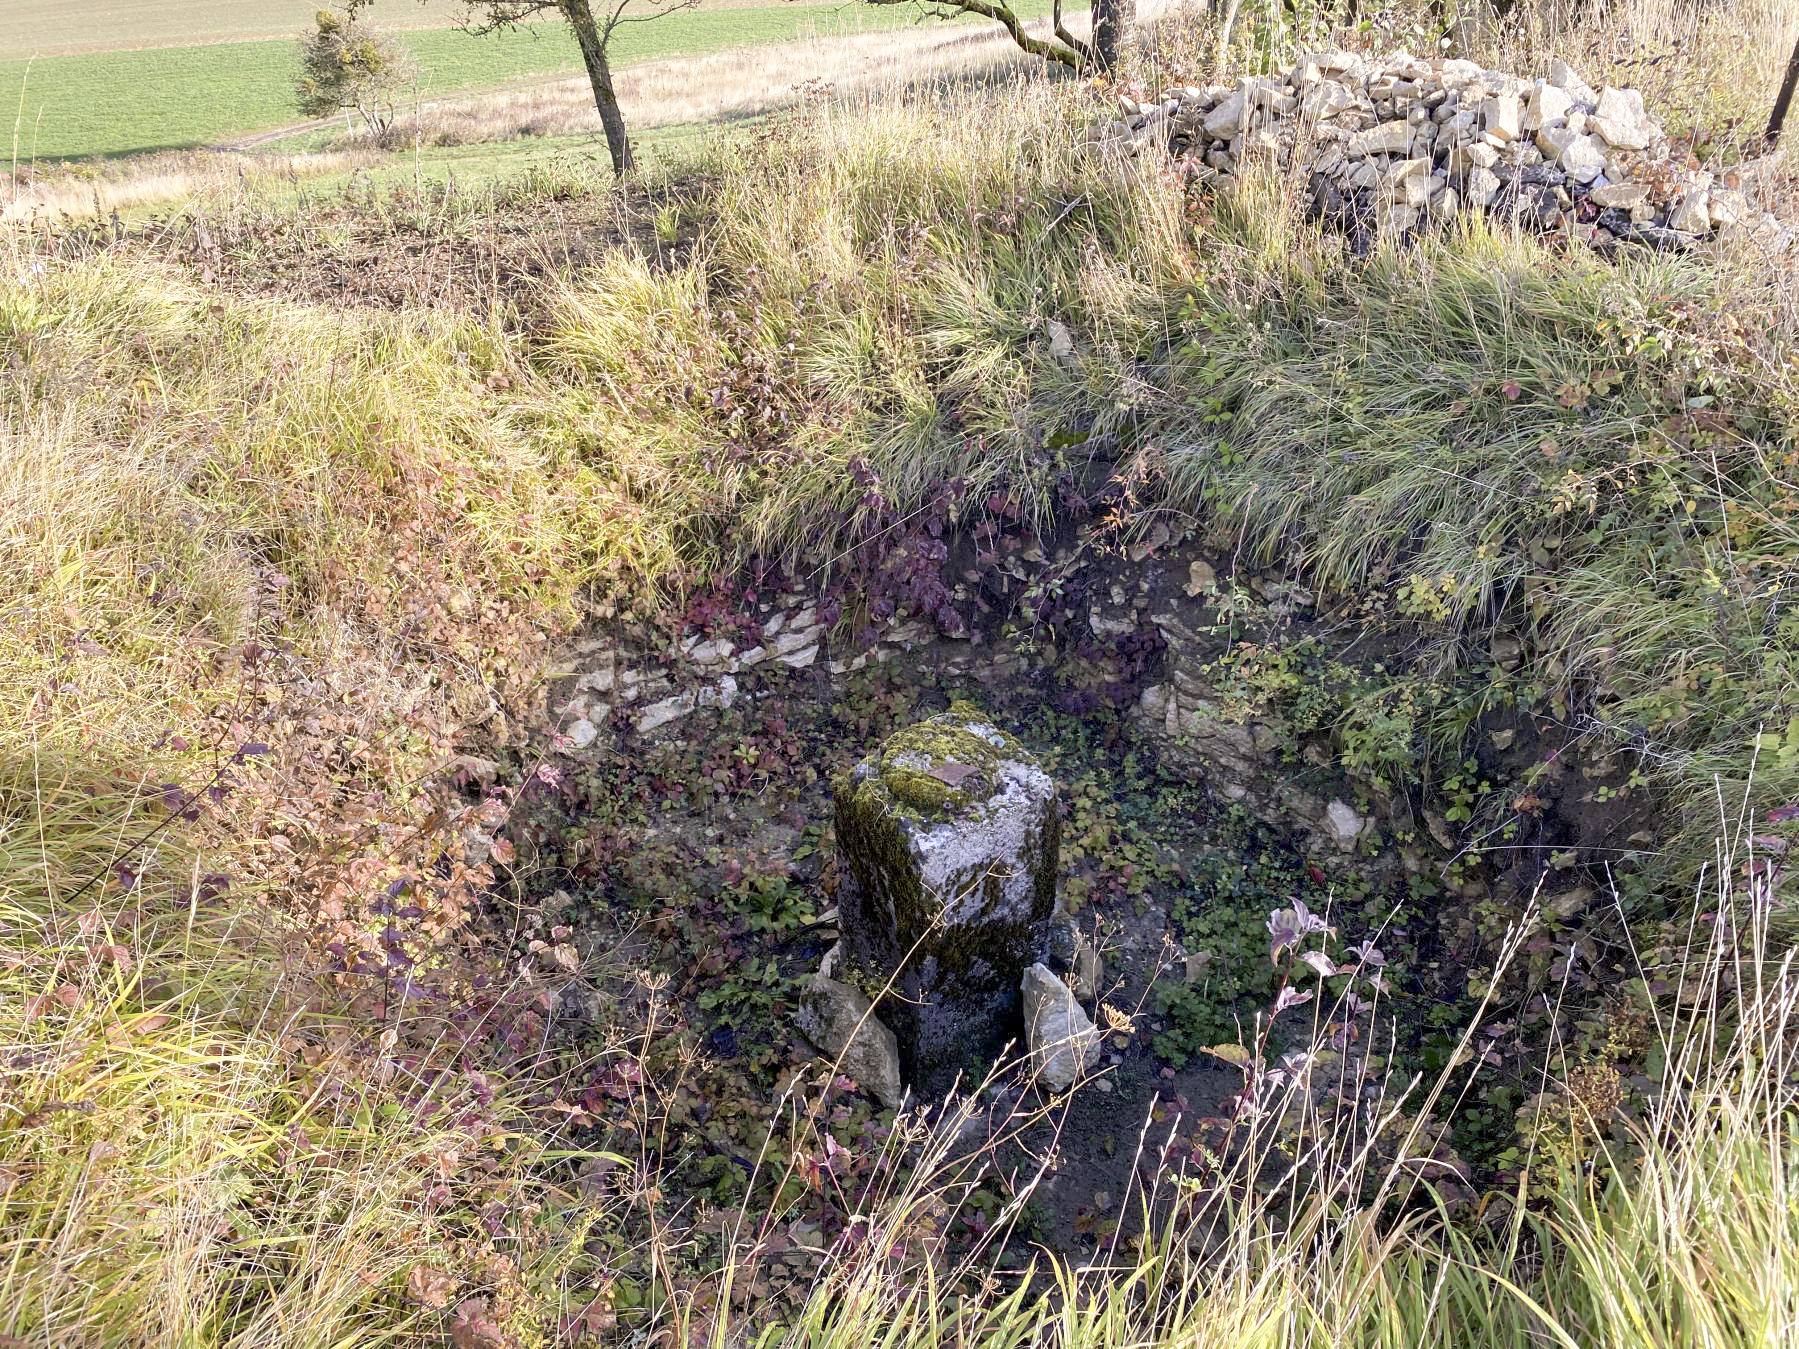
(841, 1022)
(1061, 1036)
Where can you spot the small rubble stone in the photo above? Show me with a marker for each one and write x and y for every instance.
(1584, 158)
(658, 714)
(714, 652)
(1482, 186)
(840, 1021)
(1325, 100)
(1344, 823)
(1693, 213)
(1499, 118)
(1061, 1037)
(1563, 77)
(1548, 103)
(801, 659)
(1727, 206)
(1619, 196)
(1464, 158)
(1227, 118)
(1622, 119)
(1390, 140)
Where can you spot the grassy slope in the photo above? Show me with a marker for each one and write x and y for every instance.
(489, 164)
(120, 102)
(1437, 430)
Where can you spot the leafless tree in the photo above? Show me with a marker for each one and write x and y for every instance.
(594, 25)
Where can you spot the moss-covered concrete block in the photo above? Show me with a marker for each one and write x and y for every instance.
(948, 837)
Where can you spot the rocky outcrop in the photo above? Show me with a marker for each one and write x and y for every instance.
(1398, 143)
(948, 842)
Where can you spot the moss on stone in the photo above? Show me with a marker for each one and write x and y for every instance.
(906, 765)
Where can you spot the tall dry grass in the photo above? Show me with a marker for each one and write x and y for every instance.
(214, 517)
(1680, 1230)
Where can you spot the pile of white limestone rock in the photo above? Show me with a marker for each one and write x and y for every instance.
(1393, 144)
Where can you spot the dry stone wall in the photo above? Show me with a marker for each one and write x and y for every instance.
(1398, 144)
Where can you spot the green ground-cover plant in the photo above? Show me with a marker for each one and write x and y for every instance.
(1322, 1211)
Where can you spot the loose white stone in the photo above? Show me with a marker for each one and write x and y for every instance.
(1226, 120)
(1062, 1039)
(1584, 158)
(1394, 217)
(1499, 117)
(794, 638)
(1465, 158)
(723, 694)
(1344, 824)
(1389, 138)
(1727, 207)
(1412, 189)
(1325, 100)
(714, 652)
(1621, 118)
(799, 660)
(1621, 196)
(1552, 140)
(1693, 214)
(1562, 76)
(659, 714)
(1548, 103)
(842, 1024)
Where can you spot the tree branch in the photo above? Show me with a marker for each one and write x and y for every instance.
(1000, 13)
(1075, 45)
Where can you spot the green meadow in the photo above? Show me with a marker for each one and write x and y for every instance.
(109, 103)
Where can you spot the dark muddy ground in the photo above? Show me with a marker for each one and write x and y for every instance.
(717, 845)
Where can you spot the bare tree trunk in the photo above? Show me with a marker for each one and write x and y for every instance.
(1113, 23)
(1784, 99)
(579, 14)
